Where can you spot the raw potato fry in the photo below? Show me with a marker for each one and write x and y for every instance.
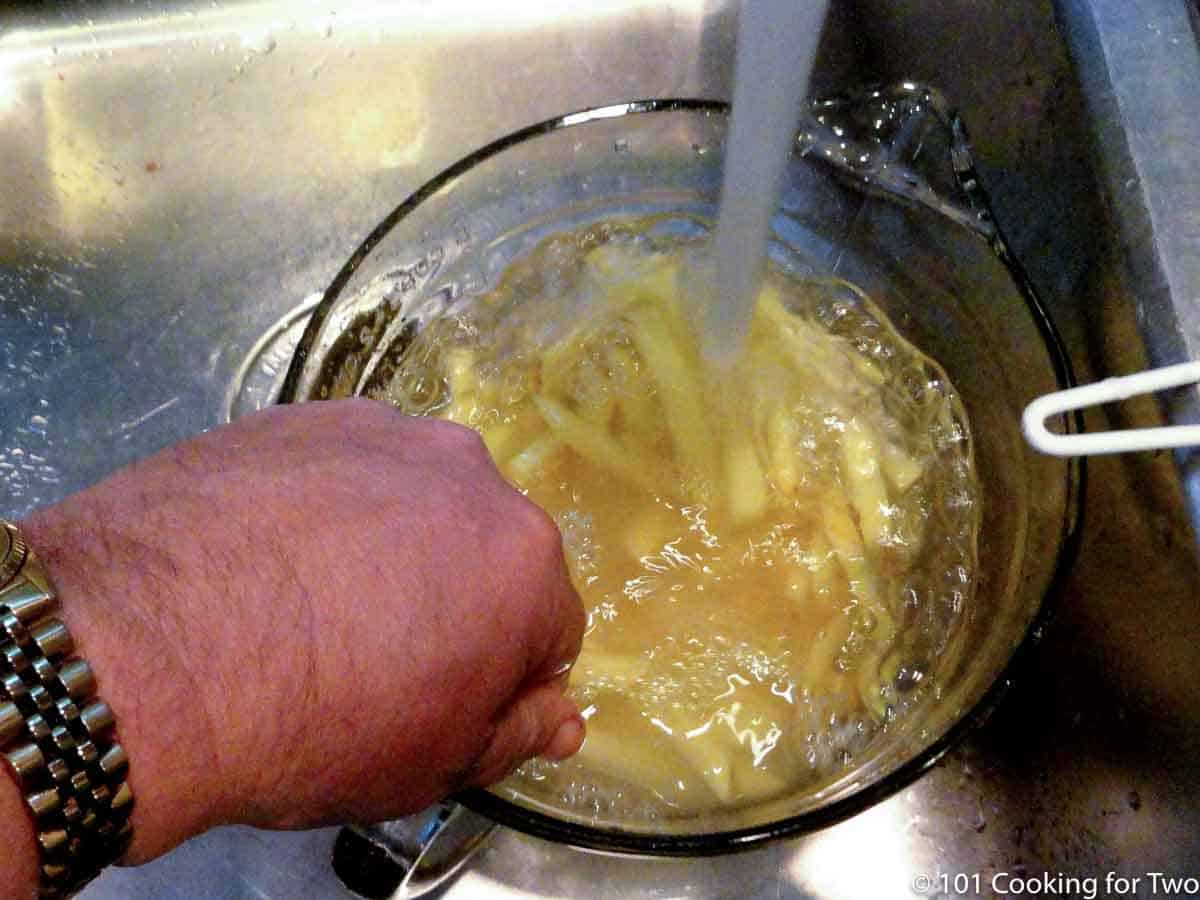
(636, 761)
(864, 481)
(823, 568)
(642, 281)
(709, 750)
(824, 652)
(678, 389)
(636, 411)
(746, 485)
(758, 783)
(783, 431)
(891, 666)
(648, 533)
(557, 362)
(641, 417)
(870, 689)
(526, 466)
(499, 439)
(839, 527)
(661, 282)
(827, 361)
(459, 366)
(867, 370)
(598, 447)
(902, 470)
(601, 402)
(623, 365)
(863, 583)
(505, 438)
(723, 750)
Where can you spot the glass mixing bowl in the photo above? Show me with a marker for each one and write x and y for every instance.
(880, 191)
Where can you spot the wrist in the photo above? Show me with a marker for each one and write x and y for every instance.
(102, 601)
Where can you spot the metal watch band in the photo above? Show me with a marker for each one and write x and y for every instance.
(56, 735)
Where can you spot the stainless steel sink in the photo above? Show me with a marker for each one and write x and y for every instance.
(180, 178)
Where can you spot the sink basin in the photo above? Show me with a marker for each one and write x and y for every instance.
(182, 180)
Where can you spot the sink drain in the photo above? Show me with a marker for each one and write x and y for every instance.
(260, 376)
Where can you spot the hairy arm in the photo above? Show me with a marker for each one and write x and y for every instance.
(320, 613)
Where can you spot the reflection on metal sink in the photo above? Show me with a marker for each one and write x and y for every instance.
(180, 177)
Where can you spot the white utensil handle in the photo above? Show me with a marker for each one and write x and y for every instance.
(1033, 423)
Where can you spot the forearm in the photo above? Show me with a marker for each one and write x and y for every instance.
(134, 677)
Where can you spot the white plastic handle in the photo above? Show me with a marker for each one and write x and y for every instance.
(1033, 423)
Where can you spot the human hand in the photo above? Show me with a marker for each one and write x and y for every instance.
(322, 612)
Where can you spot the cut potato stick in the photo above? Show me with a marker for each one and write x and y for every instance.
(660, 281)
(727, 750)
(901, 469)
(459, 369)
(866, 368)
(648, 280)
(783, 433)
(745, 481)
(824, 569)
(679, 391)
(525, 468)
(758, 782)
(637, 410)
(599, 412)
(828, 360)
(461, 409)
(864, 481)
(599, 448)
(648, 533)
(844, 538)
(640, 416)
(713, 762)
(871, 688)
(823, 652)
(643, 763)
(557, 361)
(623, 365)
(504, 439)
(890, 667)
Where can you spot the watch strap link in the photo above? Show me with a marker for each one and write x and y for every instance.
(56, 735)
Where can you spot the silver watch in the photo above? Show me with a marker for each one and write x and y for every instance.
(56, 735)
